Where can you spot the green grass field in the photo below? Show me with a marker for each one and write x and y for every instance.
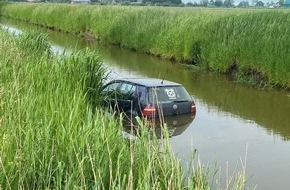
(250, 44)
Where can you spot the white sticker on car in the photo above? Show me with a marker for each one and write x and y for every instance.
(170, 93)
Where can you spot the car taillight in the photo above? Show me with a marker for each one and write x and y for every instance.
(149, 111)
(193, 108)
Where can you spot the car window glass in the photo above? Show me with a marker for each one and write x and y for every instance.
(111, 87)
(133, 89)
(127, 90)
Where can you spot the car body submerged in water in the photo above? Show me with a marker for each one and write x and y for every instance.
(159, 101)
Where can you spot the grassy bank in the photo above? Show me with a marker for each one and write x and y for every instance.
(250, 45)
(50, 139)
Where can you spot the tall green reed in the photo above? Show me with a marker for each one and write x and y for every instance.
(46, 124)
(33, 42)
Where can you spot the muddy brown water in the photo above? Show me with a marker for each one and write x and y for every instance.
(235, 126)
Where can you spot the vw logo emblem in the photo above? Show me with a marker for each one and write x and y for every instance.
(175, 106)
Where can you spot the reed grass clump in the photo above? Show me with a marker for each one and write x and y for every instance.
(34, 43)
(256, 41)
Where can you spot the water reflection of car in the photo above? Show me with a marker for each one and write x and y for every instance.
(172, 125)
(157, 100)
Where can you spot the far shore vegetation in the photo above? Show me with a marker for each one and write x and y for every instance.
(55, 136)
(249, 45)
(175, 3)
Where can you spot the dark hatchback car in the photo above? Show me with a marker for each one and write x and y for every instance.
(151, 98)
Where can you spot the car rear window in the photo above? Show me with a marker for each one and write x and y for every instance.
(168, 94)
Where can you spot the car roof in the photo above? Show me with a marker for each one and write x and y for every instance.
(150, 82)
